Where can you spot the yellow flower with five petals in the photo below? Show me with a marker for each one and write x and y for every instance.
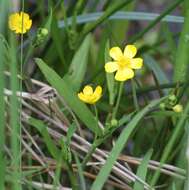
(124, 62)
(20, 23)
(89, 96)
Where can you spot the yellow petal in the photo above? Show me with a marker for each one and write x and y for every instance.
(124, 74)
(111, 67)
(87, 90)
(116, 53)
(130, 51)
(24, 15)
(28, 24)
(136, 63)
(13, 21)
(82, 97)
(98, 91)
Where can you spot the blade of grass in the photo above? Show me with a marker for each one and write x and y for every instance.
(2, 116)
(182, 56)
(187, 157)
(14, 117)
(121, 15)
(79, 62)
(119, 145)
(80, 171)
(154, 66)
(4, 4)
(170, 39)
(62, 86)
(142, 170)
(57, 39)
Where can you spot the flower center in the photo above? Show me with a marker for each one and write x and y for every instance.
(124, 62)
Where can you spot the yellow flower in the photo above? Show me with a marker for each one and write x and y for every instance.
(124, 62)
(20, 22)
(90, 97)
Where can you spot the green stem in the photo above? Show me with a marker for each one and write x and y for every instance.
(89, 154)
(118, 100)
(134, 95)
(95, 143)
(96, 114)
(162, 86)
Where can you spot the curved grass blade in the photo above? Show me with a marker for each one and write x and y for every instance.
(119, 145)
(122, 15)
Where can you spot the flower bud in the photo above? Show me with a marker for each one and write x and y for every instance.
(114, 122)
(178, 108)
(44, 31)
(172, 97)
(162, 106)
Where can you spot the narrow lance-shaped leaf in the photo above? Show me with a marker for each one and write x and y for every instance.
(78, 65)
(182, 55)
(64, 89)
(142, 170)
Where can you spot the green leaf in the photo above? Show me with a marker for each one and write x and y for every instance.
(182, 55)
(142, 170)
(78, 65)
(80, 172)
(41, 127)
(153, 66)
(64, 89)
(49, 21)
(4, 4)
(2, 116)
(119, 145)
(57, 39)
(14, 114)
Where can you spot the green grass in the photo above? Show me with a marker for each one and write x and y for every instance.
(132, 138)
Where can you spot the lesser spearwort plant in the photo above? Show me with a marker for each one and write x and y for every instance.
(65, 134)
